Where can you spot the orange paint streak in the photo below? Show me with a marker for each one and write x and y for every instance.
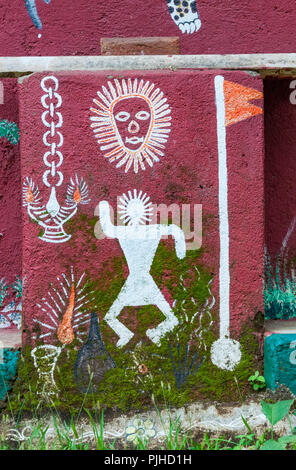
(29, 195)
(237, 105)
(65, 330)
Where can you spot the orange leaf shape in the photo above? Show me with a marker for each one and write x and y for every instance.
(237, 105)
(77, 196)
(65, 330)
(29, 195)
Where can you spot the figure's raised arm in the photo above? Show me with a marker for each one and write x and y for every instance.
(178, 236)
(108, 227)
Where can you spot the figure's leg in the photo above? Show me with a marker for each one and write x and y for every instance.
(125, 335)
(167, 325)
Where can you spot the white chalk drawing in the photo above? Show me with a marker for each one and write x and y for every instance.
(143, 377)
(139, 243)
(184, 13)
(225, 352)
(4, 323)
(194, 417)
(52, 216)
(233, 105)
(32, 10)
(45, 358)
(292, 357)
(131, 123)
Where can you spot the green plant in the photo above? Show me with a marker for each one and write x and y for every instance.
(257, 381)
(275, 412)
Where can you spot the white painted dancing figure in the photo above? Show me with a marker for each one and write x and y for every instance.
(139, 243)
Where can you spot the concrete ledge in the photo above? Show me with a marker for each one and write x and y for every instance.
(266, 63)
(281, 326)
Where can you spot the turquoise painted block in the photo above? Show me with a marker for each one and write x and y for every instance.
(280, 361)
(8, 368)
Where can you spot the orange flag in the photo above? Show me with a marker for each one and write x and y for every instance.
(237, 102)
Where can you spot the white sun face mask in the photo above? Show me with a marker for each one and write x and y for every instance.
(131, 123)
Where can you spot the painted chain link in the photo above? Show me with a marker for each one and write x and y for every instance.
(52, 138)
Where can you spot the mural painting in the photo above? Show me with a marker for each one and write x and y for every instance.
(184, 13)
(10, 234)
(32, 10)
(127, 310)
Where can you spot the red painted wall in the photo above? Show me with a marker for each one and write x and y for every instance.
(75, 27)
(10, 194)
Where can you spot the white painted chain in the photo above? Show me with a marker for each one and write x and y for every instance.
(52, 138)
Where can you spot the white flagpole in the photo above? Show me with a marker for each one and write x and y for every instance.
(225, 352)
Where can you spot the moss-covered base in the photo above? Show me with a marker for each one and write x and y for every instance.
(131, 386)
(177, 372)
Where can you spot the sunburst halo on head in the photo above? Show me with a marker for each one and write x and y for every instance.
(106, 132)
(135, 209)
